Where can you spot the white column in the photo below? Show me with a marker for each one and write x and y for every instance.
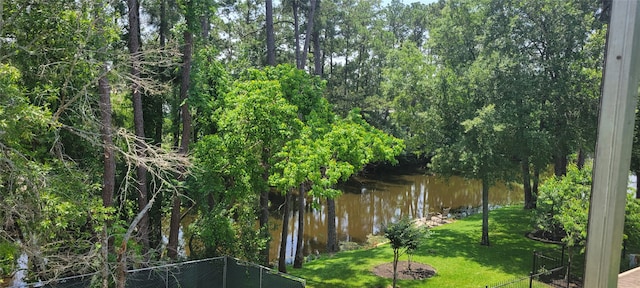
(613, 150)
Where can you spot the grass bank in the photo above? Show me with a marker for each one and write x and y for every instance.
(453, 250)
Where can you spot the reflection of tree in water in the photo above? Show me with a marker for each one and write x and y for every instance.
(368, 203)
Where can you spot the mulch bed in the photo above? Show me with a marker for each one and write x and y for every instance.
(419, 271)
(545, 237)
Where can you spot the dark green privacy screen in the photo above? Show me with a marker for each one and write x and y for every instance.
(205, 273)
(222, 272)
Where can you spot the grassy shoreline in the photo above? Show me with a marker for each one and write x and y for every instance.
(453, 250)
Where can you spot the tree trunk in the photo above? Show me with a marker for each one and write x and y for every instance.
(318, 57)
(307, 39)
(560, 164)
(637, 185)
(174, 226)
(184, 93)
(271, 43)
(296, 34)
(567, 275)
(264, 222)
(138, 119)
(109, 168)
(109, 160)
(526, 183)
(122, 251)
(346, 69)
(536, 182)
(164, 26)
(175, 121)
(205, 26)
(282, 254)
(485, 212)
(332, 237)
(109, 175)
(396, 257)
(172, 246)
(299, 259)
(326, 37)
(581, 159)
(155, 213)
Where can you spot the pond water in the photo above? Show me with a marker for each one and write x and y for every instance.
(369, 202)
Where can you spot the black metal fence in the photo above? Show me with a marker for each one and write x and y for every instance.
(549, 267)
(522, 282)
(221, 272)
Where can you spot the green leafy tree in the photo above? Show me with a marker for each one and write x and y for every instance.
(470, 124)
(363, 144)
(62, 68)
(404, 237)
(45, 202)
(254, 120)
(478, 155)
(563, 208)
(327, 153)
(222, 187)
(558, 57)
(223, 180)
(408, 96)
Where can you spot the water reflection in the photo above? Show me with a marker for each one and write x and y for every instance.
(368, 203)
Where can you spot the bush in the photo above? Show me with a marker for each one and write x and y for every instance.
(632, 225)
(8, 256)
(563, 206)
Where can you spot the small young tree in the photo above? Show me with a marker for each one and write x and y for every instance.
(404, 237)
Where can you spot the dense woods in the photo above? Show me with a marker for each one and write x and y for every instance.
(116, 116)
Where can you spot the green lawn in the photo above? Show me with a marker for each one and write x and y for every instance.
(453, 250)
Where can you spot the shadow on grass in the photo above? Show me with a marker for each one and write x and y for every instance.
(333, 271)
(510, 251)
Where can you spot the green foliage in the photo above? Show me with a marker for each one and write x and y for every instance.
(274, 129)
(408, 92)
(479, 151)
(404, 235)
(49, 200)
(635, 148)
(563, 206)
(220, 232)
(257, 119)
(299, 88)
(194, 11)
(257, 111)
(345, 149)
(223, 183)
(209, 84)
(21, 123)
(632, 224)
(563, 210)
(8, 256)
